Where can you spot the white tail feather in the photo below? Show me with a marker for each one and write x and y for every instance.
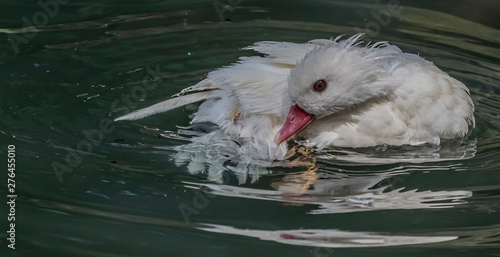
(165, 106)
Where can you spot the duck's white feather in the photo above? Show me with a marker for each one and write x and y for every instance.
(284, 53)
(165, 106)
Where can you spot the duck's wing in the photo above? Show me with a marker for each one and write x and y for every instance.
(165, 106)
(258, 82)
(279, 58)
(284, 53)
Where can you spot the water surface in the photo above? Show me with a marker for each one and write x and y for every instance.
(89, 187)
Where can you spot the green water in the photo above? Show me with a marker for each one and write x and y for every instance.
(124, 193)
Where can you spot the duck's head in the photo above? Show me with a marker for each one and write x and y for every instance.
(332, 78)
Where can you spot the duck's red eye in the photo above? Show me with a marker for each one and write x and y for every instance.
(320, 85)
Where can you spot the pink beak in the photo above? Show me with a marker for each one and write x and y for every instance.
(296, 121)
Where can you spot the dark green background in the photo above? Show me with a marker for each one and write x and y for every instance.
(123, 198)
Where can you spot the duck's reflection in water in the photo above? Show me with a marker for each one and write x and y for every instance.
(332, 192)
(333, 195)
(311, 179)
(330, 238)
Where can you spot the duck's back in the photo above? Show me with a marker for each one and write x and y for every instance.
(433, 104)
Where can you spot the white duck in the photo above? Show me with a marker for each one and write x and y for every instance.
(329, 93)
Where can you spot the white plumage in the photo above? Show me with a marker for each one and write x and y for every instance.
(374, 95)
